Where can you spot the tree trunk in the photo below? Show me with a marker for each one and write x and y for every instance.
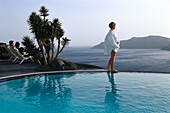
(62, 48)
(38, 61)
(52, 40)
(44, 56)
(49, 57)
(40, 48)
(47, 52)
(58, 49)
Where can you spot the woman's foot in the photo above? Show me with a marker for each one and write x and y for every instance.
(108, 69)
(114, 71)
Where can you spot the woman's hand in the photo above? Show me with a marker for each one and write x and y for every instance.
(24, 53)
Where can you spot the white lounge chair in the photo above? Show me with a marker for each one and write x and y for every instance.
(20, 57)
(13, 57)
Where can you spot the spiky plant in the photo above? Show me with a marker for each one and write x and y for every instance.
(59, 34)
(31, 49)
(65, 42)
(43, 12)
(35, 22)
(55, 26)
(45, 32)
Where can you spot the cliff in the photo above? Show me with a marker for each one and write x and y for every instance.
(149, 42)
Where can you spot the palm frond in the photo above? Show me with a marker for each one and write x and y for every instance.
(65, 41)
(43, 11)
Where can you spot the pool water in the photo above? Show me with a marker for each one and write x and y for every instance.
(87, 93)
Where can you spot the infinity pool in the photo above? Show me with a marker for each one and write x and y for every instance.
(87, 93)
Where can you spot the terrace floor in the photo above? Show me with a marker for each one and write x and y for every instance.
(8, 68)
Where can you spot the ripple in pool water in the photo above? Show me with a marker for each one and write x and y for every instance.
(87, 93)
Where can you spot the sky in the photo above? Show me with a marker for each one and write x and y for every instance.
(85, 22)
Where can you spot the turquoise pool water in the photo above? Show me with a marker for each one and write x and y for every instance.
(87, 93)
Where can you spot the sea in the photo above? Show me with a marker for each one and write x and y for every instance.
(127, 60)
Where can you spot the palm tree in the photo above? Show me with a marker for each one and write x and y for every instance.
(59, 34)
(55, 26)
(43, 12)
(65, 41)
(36, 23)
(45, 32)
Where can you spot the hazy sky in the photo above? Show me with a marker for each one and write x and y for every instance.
(86, 21)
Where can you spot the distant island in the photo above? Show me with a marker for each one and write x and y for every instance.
(149, 42)
(166, 47)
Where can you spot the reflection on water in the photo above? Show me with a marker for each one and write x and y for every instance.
(39, 90)
(42, 91)
(111, 99)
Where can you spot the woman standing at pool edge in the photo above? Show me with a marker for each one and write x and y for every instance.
(111, 46)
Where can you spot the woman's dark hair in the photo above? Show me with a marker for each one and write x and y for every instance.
(10, 42)
(17, 44)
(112, 24)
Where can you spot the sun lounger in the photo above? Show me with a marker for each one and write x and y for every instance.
(20, 57)
(13, 57)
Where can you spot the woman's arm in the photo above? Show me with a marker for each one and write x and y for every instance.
(113, 42)
(116, 39)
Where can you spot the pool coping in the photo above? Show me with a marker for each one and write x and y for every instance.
(19, 76)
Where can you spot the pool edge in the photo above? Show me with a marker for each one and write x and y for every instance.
(18, 76)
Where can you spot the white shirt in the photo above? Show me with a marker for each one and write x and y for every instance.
(110, 43)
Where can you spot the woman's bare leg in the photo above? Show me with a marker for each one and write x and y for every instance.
(109, 64)
(110, 61)
(113, 60)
